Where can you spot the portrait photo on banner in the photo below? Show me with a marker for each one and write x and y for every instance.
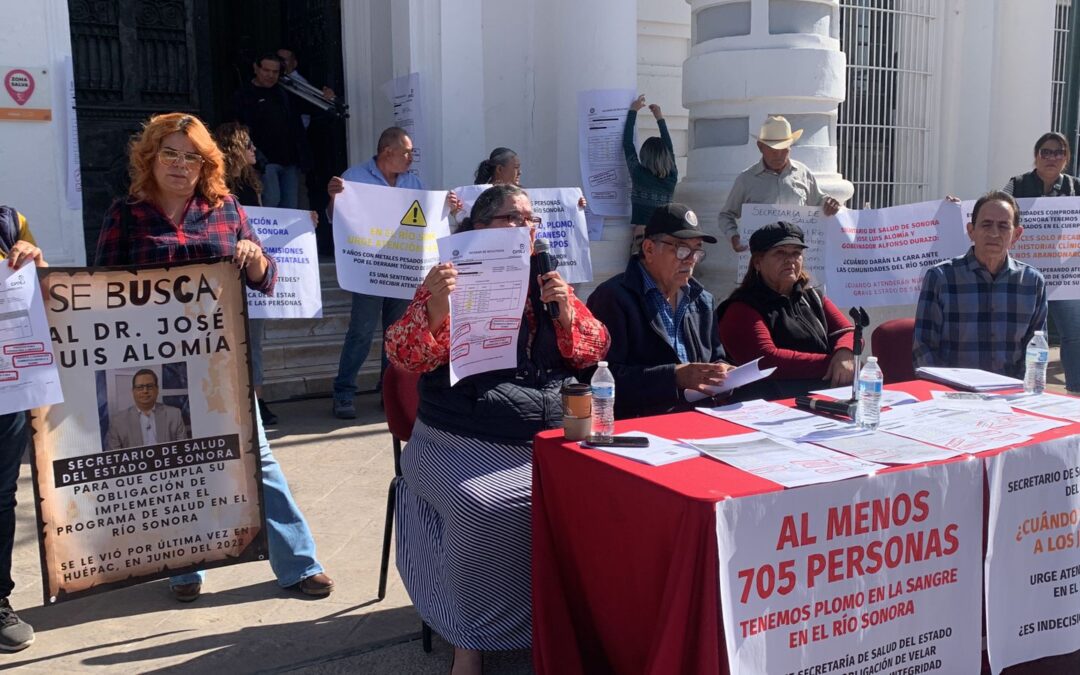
(143, 405)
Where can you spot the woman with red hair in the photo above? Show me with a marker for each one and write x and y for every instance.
(179, 208)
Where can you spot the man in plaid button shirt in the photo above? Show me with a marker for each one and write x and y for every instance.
(980, 310)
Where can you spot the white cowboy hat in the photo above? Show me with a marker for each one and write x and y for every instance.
(776, 133)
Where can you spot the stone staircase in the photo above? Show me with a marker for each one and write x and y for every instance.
(300, 356)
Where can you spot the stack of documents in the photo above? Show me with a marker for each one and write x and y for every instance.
(969, 379)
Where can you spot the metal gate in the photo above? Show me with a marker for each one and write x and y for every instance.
(884, 127)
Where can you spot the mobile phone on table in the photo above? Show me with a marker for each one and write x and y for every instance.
(617, 442)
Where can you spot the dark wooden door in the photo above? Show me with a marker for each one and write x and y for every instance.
(132, 58)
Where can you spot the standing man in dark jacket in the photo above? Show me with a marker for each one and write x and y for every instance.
(664, 336)
(277, 131)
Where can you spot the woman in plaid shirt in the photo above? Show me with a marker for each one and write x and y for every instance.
(178, 208)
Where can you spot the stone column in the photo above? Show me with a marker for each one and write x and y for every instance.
(749, 59)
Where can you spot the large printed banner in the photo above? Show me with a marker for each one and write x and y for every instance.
(1033, 553)
(384, 238)
(867, 575)
(289, 236)
(1050, 243)
(809, 218)
(879, 257)
(150, 467)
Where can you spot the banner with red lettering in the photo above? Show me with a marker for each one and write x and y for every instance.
(1050, 242)
(1033, 553)
(150, 466)
(877, 574)
(879, 257)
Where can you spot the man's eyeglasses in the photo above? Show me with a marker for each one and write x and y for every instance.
(1051, 153)
(144, 387)
(518, 220)
(682, 252)
(170, 157)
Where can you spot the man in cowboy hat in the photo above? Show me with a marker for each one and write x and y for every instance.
(776, 179)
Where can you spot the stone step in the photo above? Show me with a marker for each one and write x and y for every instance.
(300, 356)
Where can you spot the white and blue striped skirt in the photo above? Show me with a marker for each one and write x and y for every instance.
(463, 537)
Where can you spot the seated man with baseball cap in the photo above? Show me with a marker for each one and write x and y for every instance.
(663, 330)
(776, 179)
(775, 314)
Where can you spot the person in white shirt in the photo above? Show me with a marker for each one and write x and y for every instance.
(147, 422)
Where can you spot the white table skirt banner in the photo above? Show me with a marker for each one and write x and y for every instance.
(874, 574)
(1033, 552)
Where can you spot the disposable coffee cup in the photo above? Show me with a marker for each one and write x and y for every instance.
(577, 400)
(577, 411)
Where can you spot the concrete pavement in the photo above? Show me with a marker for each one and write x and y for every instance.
(244, 623)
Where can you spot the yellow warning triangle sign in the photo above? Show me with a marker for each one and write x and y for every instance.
(414, 216)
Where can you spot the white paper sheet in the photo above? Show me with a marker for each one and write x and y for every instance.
(972, 400)
(960, 430)
(661, 450)
(601, 118)
(28, 375)
(404, 94)
(971, 379)
(885, 448)
(743, 375)
(1053, 405)
(489, 297)
(786, 463)
(889, 397)
(782, 421)
(289, 236)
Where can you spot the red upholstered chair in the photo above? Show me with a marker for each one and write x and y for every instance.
(891, 344)
(400, 401)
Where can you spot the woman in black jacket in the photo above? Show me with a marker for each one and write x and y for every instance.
(1048, 179)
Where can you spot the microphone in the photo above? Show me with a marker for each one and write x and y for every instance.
(545, 262)
(837, 408)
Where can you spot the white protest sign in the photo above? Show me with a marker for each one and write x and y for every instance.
(601, 118)
(878, 257)
(876, 574)
(488, 298)
(809, 218)
(1050, 242)
(564, 229)
(1033, 553)
(28, 374)
(384, 238)
(288, 235)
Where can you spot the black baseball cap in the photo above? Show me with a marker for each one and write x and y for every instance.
(676, 220)
(776, 234)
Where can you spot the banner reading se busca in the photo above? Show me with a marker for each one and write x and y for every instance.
(150, 467)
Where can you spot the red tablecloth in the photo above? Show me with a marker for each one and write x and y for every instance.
(625, 562)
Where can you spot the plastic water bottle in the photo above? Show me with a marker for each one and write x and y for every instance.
(870, 379)
(603, 403)
(1038, 355)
